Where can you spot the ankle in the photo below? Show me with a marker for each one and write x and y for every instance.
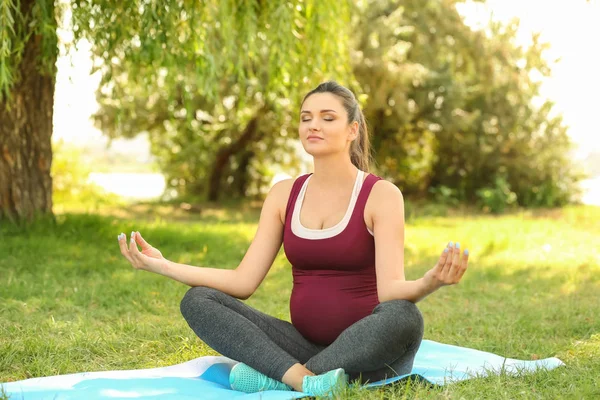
(294, 376)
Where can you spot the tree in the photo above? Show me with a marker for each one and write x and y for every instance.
(215, 145)
(28, 52)
(454, 108)
(195, 48)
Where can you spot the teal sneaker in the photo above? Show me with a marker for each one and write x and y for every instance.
(327, 384)
(246, 379)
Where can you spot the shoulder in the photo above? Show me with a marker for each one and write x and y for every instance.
(385, 191)
(279, 195)
(385, 198)
(283, 186)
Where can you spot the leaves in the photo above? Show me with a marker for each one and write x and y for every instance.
(454, 108)
(449, 107)
(8, 37)
(215, 41)
(219, 63)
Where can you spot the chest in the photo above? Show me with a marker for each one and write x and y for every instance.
(325, 211)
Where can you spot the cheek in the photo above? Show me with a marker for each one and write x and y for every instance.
(338, 128)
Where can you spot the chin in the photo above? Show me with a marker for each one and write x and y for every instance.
(318, 154)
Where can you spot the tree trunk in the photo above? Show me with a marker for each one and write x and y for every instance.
(225, 153)
(25, 137)
(241, 177)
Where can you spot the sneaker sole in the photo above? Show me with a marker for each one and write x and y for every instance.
(231, 377)
(341, 382)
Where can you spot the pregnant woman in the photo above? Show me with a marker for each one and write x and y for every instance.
(353, 313)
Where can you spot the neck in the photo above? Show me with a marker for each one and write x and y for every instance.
(332, 172)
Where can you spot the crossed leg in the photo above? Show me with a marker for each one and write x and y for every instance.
(380, 345)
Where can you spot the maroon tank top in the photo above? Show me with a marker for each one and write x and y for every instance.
(334, 278)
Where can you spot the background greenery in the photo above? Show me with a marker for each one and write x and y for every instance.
(455, 113)
(457, 124)
(72, 303)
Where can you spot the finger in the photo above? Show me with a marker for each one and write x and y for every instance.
(139, 239)
(137, 257)
(123, 246)
(455, 267)
(443, 257)
(464, 263)
(448, 262)
(133, 249)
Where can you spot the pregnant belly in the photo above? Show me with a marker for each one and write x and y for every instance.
(321, 309)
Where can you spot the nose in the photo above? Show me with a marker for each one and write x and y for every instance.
(313, 125)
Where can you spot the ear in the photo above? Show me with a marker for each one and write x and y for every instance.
(354, 130)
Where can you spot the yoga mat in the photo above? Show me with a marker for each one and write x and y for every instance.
(207, 377)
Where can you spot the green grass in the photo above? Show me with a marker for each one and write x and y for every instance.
(71, 303)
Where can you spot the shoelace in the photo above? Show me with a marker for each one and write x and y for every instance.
(316, 386)
(267, 383)
(264, 382)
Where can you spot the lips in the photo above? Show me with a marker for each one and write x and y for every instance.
(314, 137)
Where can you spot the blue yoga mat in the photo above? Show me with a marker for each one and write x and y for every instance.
(207, 377)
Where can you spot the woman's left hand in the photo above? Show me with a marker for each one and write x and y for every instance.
(450, 267)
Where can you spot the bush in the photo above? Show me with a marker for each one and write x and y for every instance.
(445, 195)
(70, 183)
(496, 199)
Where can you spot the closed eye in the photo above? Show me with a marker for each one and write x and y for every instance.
(325, 119)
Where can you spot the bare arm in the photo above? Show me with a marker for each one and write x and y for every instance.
(245, 279)
(388, 227)
(225, 280)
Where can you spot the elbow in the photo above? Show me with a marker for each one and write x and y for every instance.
(242, 287)
(240, 293)
(387, 294)
(390, 298)
(244, 293)
(244, 296)
(383, 295)
(389, 290)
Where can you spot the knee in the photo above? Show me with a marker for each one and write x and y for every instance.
(407, 315)
(190, 302)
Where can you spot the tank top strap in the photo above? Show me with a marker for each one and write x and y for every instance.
(365, 190)
(293, 196)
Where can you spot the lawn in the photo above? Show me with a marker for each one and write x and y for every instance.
(71, 303)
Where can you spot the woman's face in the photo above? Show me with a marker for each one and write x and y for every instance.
(324, 127)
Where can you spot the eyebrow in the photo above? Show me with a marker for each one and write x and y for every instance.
(322, 111)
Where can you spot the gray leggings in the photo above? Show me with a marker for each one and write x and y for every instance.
(379, 346)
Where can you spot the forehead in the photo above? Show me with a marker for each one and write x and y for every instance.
(321, 101)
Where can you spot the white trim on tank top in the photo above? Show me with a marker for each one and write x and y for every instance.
(299, 230)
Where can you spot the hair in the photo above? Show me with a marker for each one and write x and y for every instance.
(360, 149)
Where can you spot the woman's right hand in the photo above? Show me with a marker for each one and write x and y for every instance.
(149, 259)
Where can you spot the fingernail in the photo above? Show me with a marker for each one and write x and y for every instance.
(119, 236)
(457, 245)
(450, 244)
(446, 250)
(466, 252)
